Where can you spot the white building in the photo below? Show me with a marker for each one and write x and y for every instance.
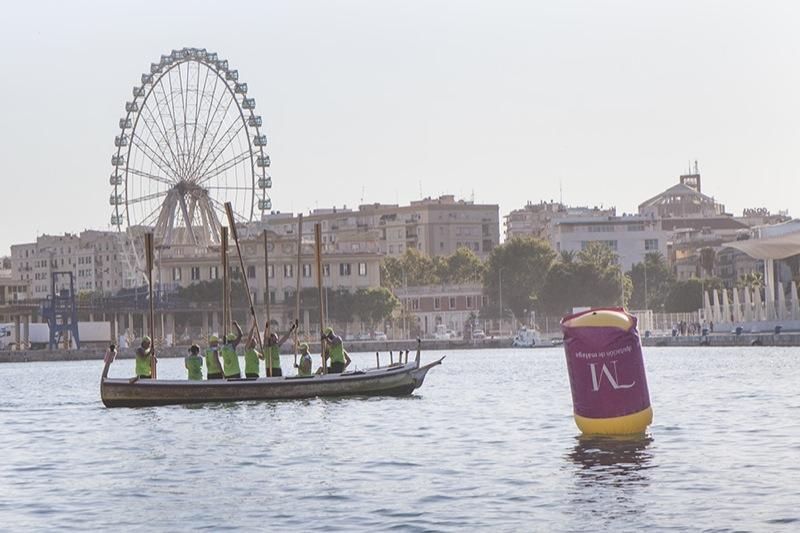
(95, 259)
(630, 236)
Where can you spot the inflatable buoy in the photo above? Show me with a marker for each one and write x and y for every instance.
(606, 372)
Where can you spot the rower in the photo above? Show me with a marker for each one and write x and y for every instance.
(273, 350)
(213, 366)
(304, 367)
(194, 363)
(340, 359)
(251, 355)
(230, 361)
(143, 353)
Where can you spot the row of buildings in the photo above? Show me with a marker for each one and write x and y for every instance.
(682, 223)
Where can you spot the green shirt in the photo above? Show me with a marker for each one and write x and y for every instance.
(194, 366)
(211, 362)
(230, 361)
(251, 357)
(274, 356)
(337, 353)
(143, 362)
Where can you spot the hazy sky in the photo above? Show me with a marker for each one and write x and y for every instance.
(383, 99)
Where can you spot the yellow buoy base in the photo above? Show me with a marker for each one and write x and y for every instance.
(602, 318)
(618, 425)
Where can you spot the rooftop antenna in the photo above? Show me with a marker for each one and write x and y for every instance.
(560, 192)
(362, 193)
(420, 189)
(696, 171)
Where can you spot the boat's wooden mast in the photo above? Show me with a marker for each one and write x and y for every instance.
(235, 235)
(318, 253)
(298, 274)
(268, 326)
(148, 251)
(225, 298)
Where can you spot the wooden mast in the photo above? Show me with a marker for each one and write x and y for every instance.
(266, 301)
(318, 253)
(148, 251)
(235, 235)
(225, 298)
(298, 274)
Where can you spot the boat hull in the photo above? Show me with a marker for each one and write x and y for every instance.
(398, 380)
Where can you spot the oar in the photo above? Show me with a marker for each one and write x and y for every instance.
(148, 250)
(235, 235)
(318, 250)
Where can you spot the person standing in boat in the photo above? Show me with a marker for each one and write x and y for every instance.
(194, 363)
(230, 361)
(273, 349)
(304, 366)
(339, 357)
(213, 366)
(251, 355)
(143, 354)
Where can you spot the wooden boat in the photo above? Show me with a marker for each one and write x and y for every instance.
(399, 379)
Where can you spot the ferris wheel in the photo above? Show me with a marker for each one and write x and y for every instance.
(190, 141)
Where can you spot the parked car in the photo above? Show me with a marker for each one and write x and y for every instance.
(478, 334)
(380, 336)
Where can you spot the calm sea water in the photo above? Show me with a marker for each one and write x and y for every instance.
(487, 443)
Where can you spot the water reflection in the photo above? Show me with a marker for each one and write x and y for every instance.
(611, 480)
(612, 458)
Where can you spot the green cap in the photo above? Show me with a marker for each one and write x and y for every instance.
(304, 347)
(328, 331)
(146, 339)
(213, 338)
(231, 337)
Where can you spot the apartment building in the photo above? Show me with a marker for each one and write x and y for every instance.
(433, 226)
(95, 259)
(536, 220)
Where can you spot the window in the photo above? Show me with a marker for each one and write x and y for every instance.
(176, 274)
(469, 302)
(271, 271)
(415, 304)
(651, 244)
(601, 228)
(288, 271)
(251, 271)
(344, 269)
(362, 269)
(287, 296)
(452, 302)
(437, 303)
(635, 227)
(326, 270)
(306, 270)
(195, 273)
(441, 246)
(213, 272)
(272, 297)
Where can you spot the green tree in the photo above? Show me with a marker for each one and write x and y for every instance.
(582, 283)
(412, 269)
(374, 305)
(658, 278)
(687, 296)
(463, 267)
(520, 265)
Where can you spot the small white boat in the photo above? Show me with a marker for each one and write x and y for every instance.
(528, 338)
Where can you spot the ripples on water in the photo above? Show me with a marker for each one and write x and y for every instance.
(487, 443)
